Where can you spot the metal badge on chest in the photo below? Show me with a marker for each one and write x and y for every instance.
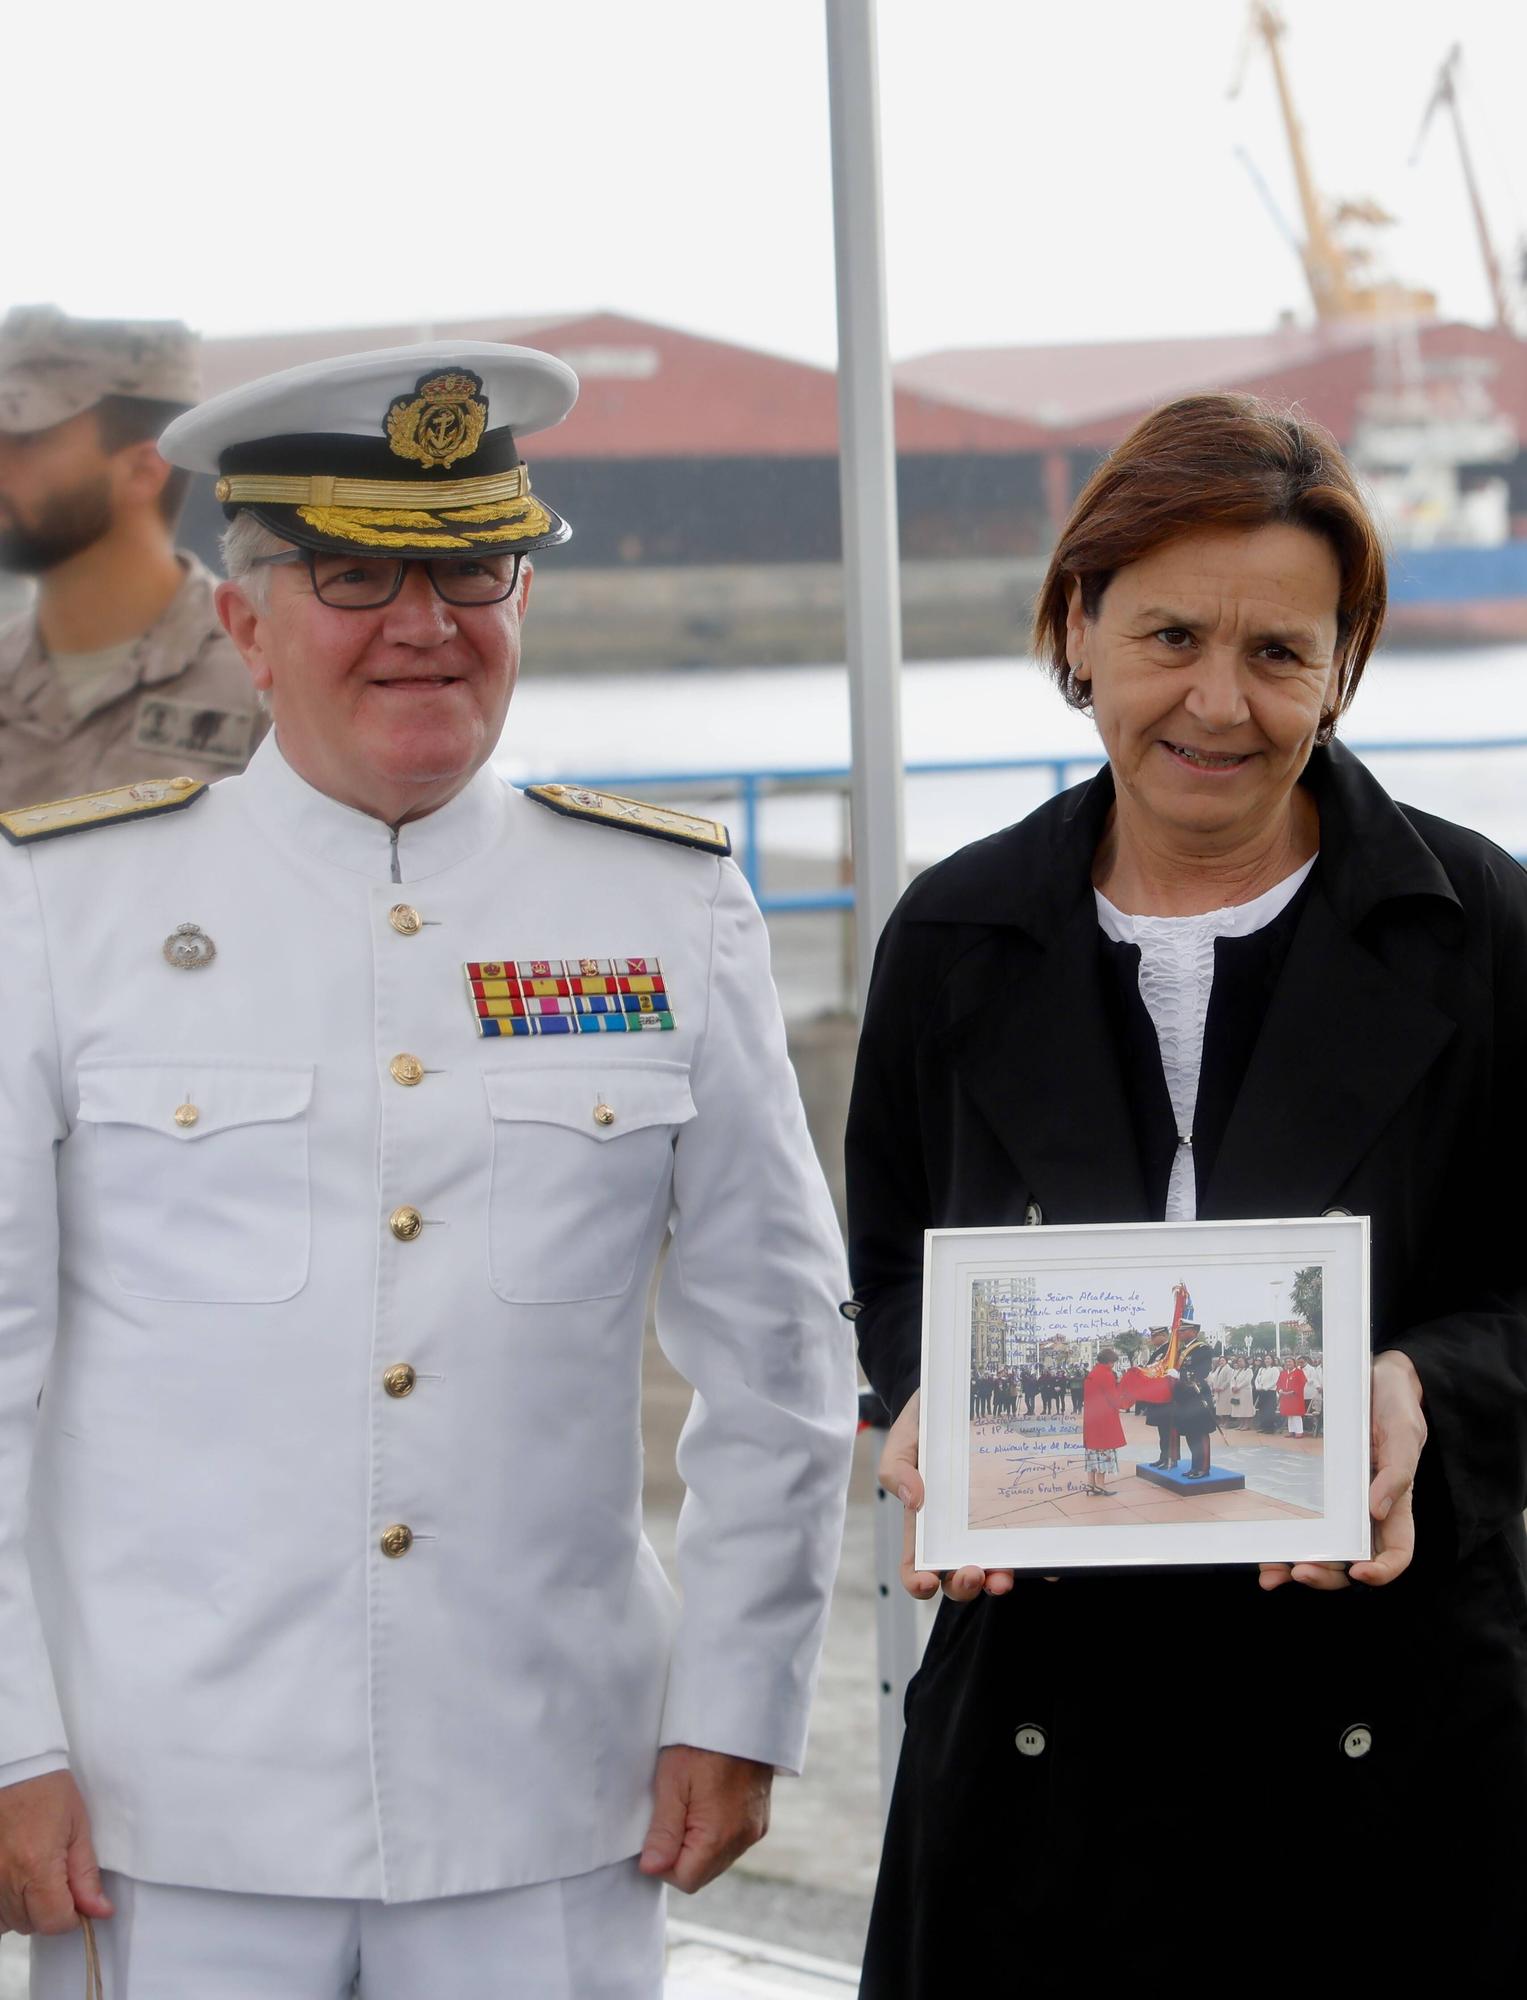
(188, 948)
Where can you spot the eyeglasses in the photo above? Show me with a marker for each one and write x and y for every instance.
(366, 583)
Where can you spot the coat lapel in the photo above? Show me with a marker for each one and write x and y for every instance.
(1342, 1047)
(1037, 1059)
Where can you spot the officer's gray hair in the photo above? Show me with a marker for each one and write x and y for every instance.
(244, 541)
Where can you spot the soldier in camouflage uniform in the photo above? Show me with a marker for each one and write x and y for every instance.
(120, 669)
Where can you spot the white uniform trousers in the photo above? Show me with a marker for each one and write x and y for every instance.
(586, 1937)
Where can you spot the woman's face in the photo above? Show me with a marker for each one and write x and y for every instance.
(1211, 662)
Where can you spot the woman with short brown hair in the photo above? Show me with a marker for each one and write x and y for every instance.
(1232, 463)
(1227, 978)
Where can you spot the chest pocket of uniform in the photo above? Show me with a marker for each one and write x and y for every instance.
(201, 1174)
(582, 1156)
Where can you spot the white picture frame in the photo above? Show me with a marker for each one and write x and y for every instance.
(1008, 1492)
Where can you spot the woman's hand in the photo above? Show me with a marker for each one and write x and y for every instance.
(1399, 1432)
(899, 1475)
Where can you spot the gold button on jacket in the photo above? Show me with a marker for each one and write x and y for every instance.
(405, 920)
(399, 1379)
(397, 1540)
(186, 1115)
(405, 1223)
(603, 1115)
(406, 1069)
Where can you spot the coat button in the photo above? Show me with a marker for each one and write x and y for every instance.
(1336, 1211)
(1030, 1740)
(186, 1116)
(405, 1224)
(1033, 1215)
(397, 1540)
(1356, 1741)
(405, 920)
(603, 1115)
(399, 1380)
(406, 1069)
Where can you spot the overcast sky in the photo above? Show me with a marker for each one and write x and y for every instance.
(1054, 169)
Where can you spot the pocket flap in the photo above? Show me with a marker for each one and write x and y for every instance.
(222, 1095)
(634, 1094)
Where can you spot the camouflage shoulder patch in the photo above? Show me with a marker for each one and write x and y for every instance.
(635, 815)
(145, 800)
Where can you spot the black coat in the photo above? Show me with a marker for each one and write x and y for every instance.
(1389, 1079)
(1191, 1407)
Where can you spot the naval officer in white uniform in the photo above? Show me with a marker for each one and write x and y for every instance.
(345, 1111)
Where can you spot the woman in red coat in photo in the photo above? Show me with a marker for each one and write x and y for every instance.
(1104, 1394)
(1291, 1396)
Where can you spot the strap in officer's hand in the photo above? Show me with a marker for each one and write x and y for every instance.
(95, 1986)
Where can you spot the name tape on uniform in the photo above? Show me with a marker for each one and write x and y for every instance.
(568, 996)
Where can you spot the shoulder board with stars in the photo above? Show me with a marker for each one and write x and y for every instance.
(635, 815)
(145, 800)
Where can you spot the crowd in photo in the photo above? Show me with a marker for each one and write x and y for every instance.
(1252, 1391)
(1286, 1392)
(1027, 1392)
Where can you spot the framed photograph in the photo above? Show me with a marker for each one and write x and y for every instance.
(1147, 1393)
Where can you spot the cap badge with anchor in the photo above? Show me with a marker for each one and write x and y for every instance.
(440, 424)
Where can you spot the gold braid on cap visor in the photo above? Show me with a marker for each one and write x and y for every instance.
(387, 513)
(413, 528)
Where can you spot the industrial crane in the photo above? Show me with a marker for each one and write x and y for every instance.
(1335, 267)
(1445, 92)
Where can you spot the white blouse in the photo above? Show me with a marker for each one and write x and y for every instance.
(1176, 979)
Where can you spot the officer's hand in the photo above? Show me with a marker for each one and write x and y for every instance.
(899, 1475)
(1398, 1434)
(48, 1872)
(708, 1809)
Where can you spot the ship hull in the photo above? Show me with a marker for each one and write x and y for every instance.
(1458, 596)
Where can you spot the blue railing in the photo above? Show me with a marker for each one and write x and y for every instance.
(751, 788)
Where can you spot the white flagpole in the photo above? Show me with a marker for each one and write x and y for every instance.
(867, 460)
(872, 617)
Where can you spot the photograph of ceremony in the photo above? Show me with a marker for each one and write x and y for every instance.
(1142, 1400)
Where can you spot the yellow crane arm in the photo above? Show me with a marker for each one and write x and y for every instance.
(1325, 267)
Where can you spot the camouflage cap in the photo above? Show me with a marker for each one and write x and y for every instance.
(52, 366)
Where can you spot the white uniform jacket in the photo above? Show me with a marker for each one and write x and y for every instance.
(200, 1616)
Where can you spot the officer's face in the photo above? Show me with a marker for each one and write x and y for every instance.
(390, 710)
(1210, 662)
(56, 495)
